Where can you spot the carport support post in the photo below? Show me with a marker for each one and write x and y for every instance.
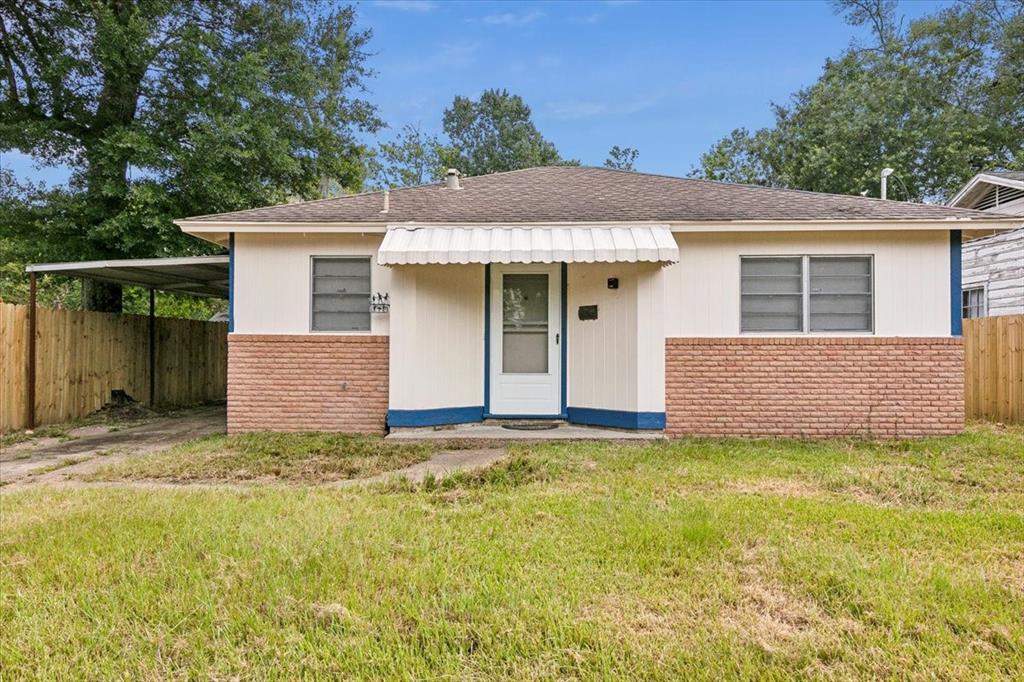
(152, 347)
(31, 383)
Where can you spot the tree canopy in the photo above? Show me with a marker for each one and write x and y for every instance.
(938, 99)
(622, 158)
(495, 133)
(491, 134)
(169, 108)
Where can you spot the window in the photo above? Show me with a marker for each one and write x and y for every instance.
(840, 294)
(341, 294)
(772, 294)
(974, 302)
(798, 294)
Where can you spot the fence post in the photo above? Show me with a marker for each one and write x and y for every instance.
(31, 383)
(152, 347)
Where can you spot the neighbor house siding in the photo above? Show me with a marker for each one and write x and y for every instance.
(272, 279)
(280, 382)
(997, 263)
(911, 278)
(813, 387)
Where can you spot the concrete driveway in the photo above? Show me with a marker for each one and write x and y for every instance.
(92, 447)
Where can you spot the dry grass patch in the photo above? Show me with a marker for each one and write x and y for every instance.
(289, 457)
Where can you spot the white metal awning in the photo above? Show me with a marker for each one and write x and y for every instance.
(411, 245)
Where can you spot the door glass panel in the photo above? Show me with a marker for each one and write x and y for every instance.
(524, 343)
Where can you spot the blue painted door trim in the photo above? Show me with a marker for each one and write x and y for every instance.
(620, 419)
(956, 323)
(487, 338)
(435, 417)
(231, 282)
(565, 340)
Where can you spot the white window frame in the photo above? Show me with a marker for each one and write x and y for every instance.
(341, 332)
(984, 300)
(805, 272)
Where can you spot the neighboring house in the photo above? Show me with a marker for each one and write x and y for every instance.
(993, 266)
(601, 297)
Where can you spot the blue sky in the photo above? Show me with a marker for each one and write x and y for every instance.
(668, 78)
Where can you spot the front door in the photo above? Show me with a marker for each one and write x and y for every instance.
(525, 334)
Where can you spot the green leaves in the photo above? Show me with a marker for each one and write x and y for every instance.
(494, 134)
(168, 108)
(938, 101)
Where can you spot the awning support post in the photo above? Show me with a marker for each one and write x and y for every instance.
(152, 347)
(31, 383)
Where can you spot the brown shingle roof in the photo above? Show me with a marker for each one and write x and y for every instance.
(573, 193)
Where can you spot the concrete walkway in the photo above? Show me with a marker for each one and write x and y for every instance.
(50, 460)
(489, 431)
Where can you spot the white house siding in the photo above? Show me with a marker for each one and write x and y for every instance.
(272, 279)
(616, 362)
(911, 287)
(602, 353)
(437, 336)
(997, 263)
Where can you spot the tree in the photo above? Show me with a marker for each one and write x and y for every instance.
(169, 108)
(494, 134)
(622, 158)
(938, 101)
(412, 158)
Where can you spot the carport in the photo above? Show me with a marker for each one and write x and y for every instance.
(202, 276)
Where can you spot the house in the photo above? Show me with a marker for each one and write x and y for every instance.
(993, 266)
(601, 297)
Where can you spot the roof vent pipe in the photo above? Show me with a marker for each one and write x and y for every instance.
(886, 172)
(387, 201)
(451, 179)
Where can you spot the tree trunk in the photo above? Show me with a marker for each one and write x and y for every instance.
(105, 297)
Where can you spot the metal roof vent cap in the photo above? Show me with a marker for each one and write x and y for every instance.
(451, 179)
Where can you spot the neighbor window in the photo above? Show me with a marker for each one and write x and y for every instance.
(974, 302)
(341, 294)
(797, 294)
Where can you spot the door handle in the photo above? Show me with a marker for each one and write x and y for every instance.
(556, 339)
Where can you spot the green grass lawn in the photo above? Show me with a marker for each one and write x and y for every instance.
(291, 457)
(692, 559)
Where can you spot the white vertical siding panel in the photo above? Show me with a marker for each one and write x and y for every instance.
(602, 368)
(438, 340)
(650, 339)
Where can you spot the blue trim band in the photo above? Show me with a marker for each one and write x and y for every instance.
(565, 340)
(435, 417)
(617, 418)
(231, 282)
(487, 338)
(956, 323)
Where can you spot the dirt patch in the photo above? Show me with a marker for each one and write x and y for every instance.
(774, 618)
(783, 487)
(96, 446)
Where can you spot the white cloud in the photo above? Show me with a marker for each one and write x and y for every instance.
(510, 19)
(570, 110)
(407, 5)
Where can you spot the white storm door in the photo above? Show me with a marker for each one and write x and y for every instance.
(525, 334)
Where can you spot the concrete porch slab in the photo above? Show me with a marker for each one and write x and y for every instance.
(496, 432)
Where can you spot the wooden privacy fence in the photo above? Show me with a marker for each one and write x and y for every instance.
(82, 356)
(994, 368)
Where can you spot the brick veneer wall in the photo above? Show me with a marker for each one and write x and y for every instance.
(866, 386)
(307, 383)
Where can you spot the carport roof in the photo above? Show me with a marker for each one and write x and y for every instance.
(194, 275)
